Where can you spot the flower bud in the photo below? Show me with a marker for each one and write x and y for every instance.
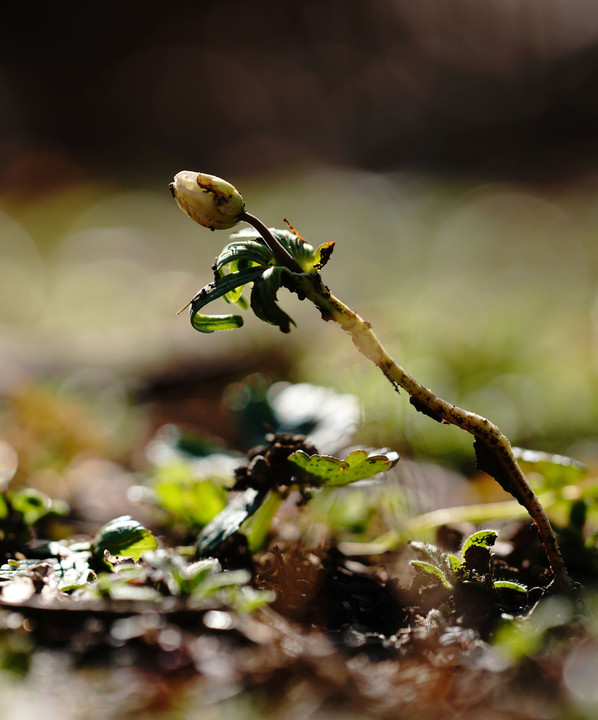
(209, 200)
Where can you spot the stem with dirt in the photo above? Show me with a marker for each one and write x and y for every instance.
(493, 449)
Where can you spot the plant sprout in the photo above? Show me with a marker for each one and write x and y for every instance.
(269, 259)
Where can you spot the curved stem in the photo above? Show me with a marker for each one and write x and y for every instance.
(493, 449)
(280, 253)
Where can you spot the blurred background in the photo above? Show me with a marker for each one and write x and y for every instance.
(449, 148)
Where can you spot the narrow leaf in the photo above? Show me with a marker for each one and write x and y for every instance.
(434, 554)
(258, 526)
(233, 295)
(509, 585)
(213, 323)
(220, 287)
(230, 519)
(263, 299)
(431, 570)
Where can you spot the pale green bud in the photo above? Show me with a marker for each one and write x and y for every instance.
(207, 199)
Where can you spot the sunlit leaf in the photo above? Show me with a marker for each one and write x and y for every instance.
(258, 526)
(433, 553)
(301, 251)
(230, 519)
(322, 255)
(329, 471)
(186, 498)
(234, 295)
(483, 538)
(432, 571)
(454, 563)
(214, 323)
(356, 458)
(555, 470)
(124, 536)
(220, 287)
(320, 467)
(247, 599)
(69, 571)
(361, 468)
(509, 585)
(34, 505)
(4, 510)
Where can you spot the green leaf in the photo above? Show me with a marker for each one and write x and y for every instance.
(322, 255)
(69, 570)
(483, 538)
(361, 468)
(234, 295)
(509, 585)
(124, 584)
(556, 470)
(249, 251)
(263, 299)
(187, 577)
(230, 519)
(246, 599)
(123, 536)
(356, 457)
(434, 554)
(34, 505)
(302, 252)
(320, 467)
(214, 323)
(454, 563)
(187, 499)
(220, 287)
(330, 471)
(431, 570)
(258, 526)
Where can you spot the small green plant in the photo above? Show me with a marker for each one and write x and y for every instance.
(21, 511)
(123, 537)
(468, 588)
(270, 259)
(166, 573)
(286, 463)
(122, 562)
(563, 488)
(474, 565)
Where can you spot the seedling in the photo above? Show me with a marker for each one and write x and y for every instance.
(268, 260)
(474, 565)
(123, 536)
(285, 464)
(21, 512)
(466, 585)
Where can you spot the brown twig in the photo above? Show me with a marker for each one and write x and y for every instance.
(493, 449)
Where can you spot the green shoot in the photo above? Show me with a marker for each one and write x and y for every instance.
(270, 260)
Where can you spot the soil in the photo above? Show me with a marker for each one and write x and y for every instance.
(343, 638)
